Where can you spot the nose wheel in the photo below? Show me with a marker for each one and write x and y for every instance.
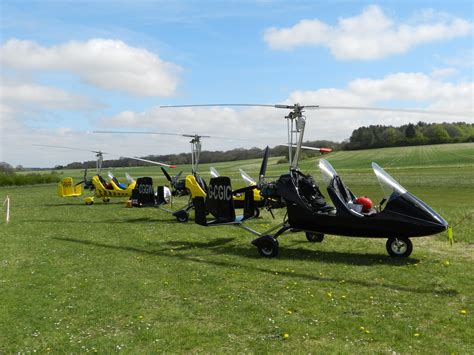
(399, 247)
(181, 216)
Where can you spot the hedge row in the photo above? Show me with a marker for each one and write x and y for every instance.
(12, 179)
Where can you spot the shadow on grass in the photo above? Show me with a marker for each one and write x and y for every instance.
(219, 246)
(300, 254)
(112, 221)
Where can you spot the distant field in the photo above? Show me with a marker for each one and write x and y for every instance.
(76, 278)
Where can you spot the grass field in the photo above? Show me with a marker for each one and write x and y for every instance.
(104, 278)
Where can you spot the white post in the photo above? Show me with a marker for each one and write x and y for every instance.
(7, 202)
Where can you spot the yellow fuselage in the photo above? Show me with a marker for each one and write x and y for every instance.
(114, 191)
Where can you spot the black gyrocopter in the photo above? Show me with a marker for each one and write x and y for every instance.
(403, 217)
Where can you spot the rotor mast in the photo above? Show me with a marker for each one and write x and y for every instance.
(195, 152)
(98, 163)
(296, 122)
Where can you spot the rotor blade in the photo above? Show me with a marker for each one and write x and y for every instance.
(290, 107)
(216, 105)
(142, 132)
(386, 109)
(148, 161)
(71, 148)
(263, 167)
(214, 172)
(247, 178)
(168, 177)
(172, 134)
(321, 150)
(323, 107)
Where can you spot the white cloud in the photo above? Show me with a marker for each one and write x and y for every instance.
(28, 96)
(104, 63)
(443, 72)
(368, 36)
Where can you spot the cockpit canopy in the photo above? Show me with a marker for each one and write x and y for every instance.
(388, 184)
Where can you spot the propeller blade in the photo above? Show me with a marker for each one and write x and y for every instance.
(247, 178)
(214, 172)
(263, 167)
(168, 177)
(176, 178)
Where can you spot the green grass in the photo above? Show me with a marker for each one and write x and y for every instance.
(76, 278)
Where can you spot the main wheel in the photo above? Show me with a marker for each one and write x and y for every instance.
(89, 200)
(183, 217)
(399, 247)
(268, 247)
(314, 237)
(106, 199)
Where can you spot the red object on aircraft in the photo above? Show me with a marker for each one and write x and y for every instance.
(365, 202)
(173, 166)
(325, 150)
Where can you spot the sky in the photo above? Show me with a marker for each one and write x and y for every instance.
(71, 67)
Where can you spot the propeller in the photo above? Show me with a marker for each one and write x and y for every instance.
(173, 180)
(168, 177)
(214, 172)
(263, 167)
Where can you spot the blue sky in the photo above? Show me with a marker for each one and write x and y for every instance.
(69, 67)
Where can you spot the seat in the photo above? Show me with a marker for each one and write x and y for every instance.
(343, 198)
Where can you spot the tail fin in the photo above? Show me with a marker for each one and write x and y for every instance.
(66, 188)
(143, 194)
(220, 202)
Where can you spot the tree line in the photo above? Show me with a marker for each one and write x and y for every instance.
(374, 136)
(205, 156)
(378, 136)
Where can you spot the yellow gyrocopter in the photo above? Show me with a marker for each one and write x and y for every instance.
(97, 184)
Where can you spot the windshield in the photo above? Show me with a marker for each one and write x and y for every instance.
(327, 171)
(388, 184)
